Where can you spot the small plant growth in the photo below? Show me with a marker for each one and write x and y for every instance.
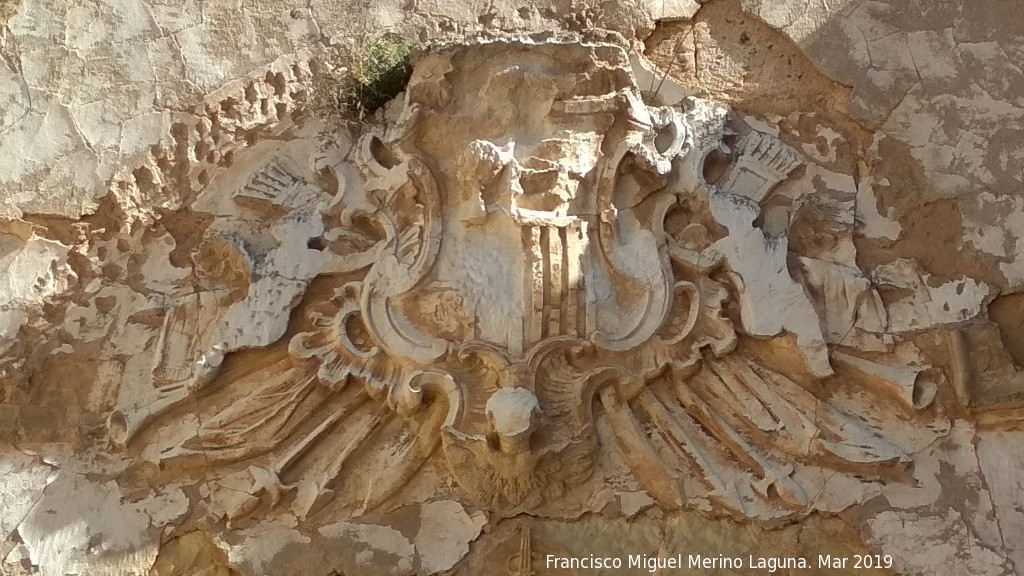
(379, 72)
(368, 73)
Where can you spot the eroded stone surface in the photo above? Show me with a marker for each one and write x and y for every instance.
(721, 282)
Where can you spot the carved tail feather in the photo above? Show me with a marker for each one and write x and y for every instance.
(567, 397)
(365, 435)
(771, 471)
(340, 394)
(636, 448)
(410, 458)
(735, 425)
(250, 426)
(823, 429)
(393, 440)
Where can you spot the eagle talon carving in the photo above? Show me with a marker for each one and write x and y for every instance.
(570, 286)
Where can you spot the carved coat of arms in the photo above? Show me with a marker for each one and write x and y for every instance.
(535, 267)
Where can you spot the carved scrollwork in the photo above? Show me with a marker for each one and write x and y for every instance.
(341, 345)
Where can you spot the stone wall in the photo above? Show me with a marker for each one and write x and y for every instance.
(651, 279)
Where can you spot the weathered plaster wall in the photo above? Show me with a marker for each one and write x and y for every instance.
(144, 273)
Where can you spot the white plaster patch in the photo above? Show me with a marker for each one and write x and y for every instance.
(632, 503)
(22, 480)
(34, 268)
(934, 53)
(159, 274)
(954, 165)
(995, 225)
(939, 544)
(383, 544)
(768, 125)
(80, 526)
(260, 546)
(984, 222)
(927, 488)
(800, 20)
(770, 300)
(445, 533)
(1001, 457)
(952, 302)
(671, 9)
(33, 140)
(873, 223)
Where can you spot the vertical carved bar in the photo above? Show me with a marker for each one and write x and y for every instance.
(553, 304)
(567, 316)
(533, 293)
(545, 295)
(575, 314)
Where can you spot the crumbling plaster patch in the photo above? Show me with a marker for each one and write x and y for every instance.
(80, 524)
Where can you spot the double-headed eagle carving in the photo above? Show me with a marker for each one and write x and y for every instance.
(538, 267)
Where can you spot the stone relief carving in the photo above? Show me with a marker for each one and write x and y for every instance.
(529, 271)
(187, 235)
